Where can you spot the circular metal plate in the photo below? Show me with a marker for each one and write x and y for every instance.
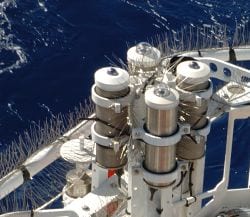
(77, 151)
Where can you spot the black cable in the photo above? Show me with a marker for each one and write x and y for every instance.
(31, 212)
(25, 173)
(87, 119)
(199, 53)
(183, 174)
(190, 184)
(148, 81)
(232, 55)
(105, 123)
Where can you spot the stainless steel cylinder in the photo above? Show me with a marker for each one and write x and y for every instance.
(196, 80)
(161, 120)
(189, 149)
(110, 123)
(111, 83)
(191, 113)
(192, 87)
(112, 94)
(160, 159)
(106, 157)
(192, 76)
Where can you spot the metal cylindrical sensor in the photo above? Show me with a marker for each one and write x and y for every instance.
(193, 77)
(191, 113)
(161, 121)
(160, 159)
(111, 124)
(111, 83)
(107, 157)
(189, 149)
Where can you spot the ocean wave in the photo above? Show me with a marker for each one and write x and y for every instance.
(11, 54)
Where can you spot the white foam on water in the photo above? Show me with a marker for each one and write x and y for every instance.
(6, 39)
(14, 111)
(42, 5)
(43, 106)
(154, 9)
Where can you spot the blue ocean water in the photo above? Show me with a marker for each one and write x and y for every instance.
(51, 48)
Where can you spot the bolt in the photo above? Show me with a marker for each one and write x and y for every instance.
(112, 71)
(85, 208)
(185, 130)
(194, 65)
(162, 90)
(113, 185)
(137, 134)
(136, 171)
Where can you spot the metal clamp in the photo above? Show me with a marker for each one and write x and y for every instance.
(204, 131)
(160, 177)
(115, 104)
(185, 129)
(140, 133)
(107, 141)
(99, 139)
